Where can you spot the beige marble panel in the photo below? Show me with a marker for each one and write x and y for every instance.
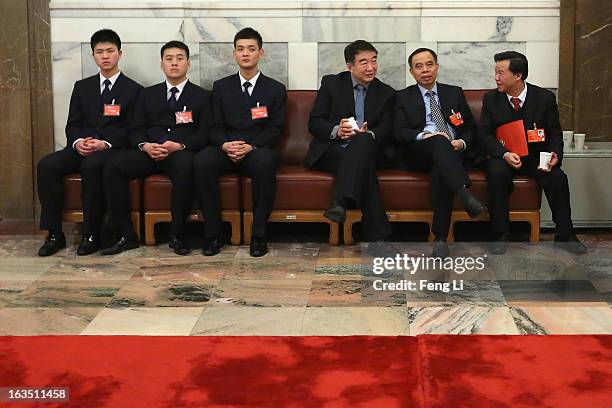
(145, 321)
(353, 321)
(563, 320)
(250, 321)
(461, 320)
(42, 321)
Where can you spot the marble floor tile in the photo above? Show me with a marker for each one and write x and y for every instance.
(162, 293)
(263, 293)
(563, 291)
(250, 321)
(597, 266)
(26, 269)
(90, 269)
(11, 290)
(461, 320)
(155, 270)
(145, 321)
(352, 293)
(341, 268)
(604, 286)
(350, 321)
(284, 250)
(45, 321)
(297, 268)
(472, 293)
(563, 320)
(67, 294)
(21, 246)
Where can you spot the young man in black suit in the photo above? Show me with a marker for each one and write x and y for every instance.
(348, 152)
(171, 122)
(248, 118)
(101, 108)
(434, 126)
(514, 99)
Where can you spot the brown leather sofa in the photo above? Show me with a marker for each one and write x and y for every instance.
(303, 194)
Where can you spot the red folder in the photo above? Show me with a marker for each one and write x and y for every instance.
(512, 136)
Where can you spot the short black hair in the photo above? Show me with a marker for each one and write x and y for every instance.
(420, 50)
(518, 62)
(174, 44)
(248, 33)
(105, 36)
(356, 47)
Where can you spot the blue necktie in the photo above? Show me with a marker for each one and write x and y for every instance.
(172, 102)
(360, 105)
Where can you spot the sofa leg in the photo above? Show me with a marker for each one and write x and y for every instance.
(451, 231)
(149, 226)
(534, 237)
(233, 217)
(136, 223)
(247, 226)
(334, 233)
(352, 216)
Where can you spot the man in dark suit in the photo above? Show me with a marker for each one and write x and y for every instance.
(348, 150)
(171, 122)
(514, 99)
(101, 108)
(248, 118)
(434, 126)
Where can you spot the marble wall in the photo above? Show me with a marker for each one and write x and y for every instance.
(303, 40)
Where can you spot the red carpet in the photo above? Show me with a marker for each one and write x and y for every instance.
(424, 371)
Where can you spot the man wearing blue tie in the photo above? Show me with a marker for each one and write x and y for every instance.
(350, 120)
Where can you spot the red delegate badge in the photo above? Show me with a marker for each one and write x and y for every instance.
(456, 118)
(112, 109)
(259, 112)
(535, 135)
(184, 116)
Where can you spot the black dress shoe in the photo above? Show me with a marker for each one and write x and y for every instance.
(501, 244)
(336, 211)
(473, 206)
(88, 245)
(572, 244)
(180, 246)
(122, 244)
(440, 249)
(213, 246)
(259, 247)
(53, 243)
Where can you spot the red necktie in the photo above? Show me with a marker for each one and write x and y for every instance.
(516, 102)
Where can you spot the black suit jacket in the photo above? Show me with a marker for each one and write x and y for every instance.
(540, 107)
(336, 100)
(85, 113)
(232, 116)
(153, 119)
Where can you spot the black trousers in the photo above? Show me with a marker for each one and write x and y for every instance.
(436, 156)
(133, 164)
(355, 169)
(554, 183)
(50, 173)
(260, 164)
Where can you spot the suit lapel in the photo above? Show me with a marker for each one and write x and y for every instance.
(529, 107)
(259, 89)
(416, 99)
(347, 95)
(184, 97)
(370, 99)
(114, 93)
(503, 106)
(444, 99)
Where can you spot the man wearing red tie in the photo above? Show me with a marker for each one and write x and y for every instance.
(513, 100)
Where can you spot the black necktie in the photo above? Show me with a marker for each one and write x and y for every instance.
(106, 91)
(172, 102)
(245, 93)
(436, 113)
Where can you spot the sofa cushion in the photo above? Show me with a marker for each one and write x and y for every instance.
(297, 188)
(72, 193)
(157, 189)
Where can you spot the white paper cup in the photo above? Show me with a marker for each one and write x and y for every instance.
(579, 141)
(568, 139)
(545, 158)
